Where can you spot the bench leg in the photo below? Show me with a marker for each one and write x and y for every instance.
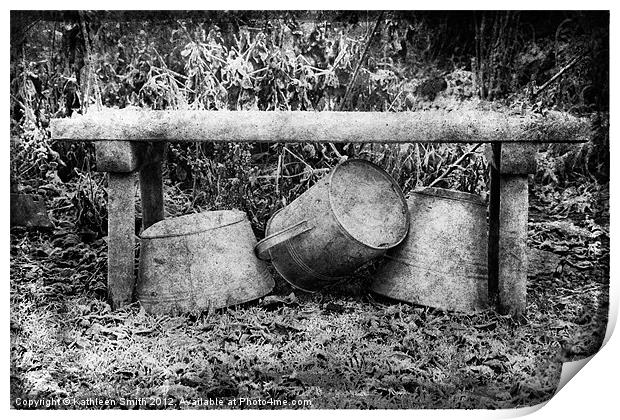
(493, 245)
(151, 187)
(512, 255)
(508, 216)
(121, 238)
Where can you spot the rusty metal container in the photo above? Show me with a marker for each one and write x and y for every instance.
(443, 261)
(354, 214)
(199, 262)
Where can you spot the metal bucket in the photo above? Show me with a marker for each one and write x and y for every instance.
(443, 261)
(351, 216)
(200, 261)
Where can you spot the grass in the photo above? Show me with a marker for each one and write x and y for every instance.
(344, 348)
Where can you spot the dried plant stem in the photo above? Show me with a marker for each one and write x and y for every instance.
(558, 74)
(278, 174)
(90, 68)
(313, 172)
(454, 165)
(391, 106)
(418, 160)
(86, 96)
(297, 157)
(354, 76)
(359, 63)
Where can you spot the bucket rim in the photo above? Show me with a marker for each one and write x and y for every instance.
(450, 194)
(397, 189)
(237, 216)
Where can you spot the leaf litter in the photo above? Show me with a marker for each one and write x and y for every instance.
(344, 348)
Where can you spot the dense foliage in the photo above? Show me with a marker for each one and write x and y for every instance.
(66, 62)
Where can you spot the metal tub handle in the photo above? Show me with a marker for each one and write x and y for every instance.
(262, 248)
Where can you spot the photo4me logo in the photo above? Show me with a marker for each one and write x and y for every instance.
(244, 402)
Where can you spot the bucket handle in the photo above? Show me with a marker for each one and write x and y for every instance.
(262, 247)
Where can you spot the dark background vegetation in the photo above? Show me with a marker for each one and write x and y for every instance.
(67, 62)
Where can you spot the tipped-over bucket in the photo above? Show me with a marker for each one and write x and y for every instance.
(351, 216)
(200, 261)
(443, 261)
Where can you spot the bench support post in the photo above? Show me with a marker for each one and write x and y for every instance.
(120, 160)
(151, 186)
(512, 250)
(508, 216)
(493, 153)
(121, 238)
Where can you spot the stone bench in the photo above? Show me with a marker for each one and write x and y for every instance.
(130, 141)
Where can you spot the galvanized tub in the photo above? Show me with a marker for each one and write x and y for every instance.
(351, 216)
(199, 262)
(443, 261)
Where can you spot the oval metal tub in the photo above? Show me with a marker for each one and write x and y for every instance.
(199, 262)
